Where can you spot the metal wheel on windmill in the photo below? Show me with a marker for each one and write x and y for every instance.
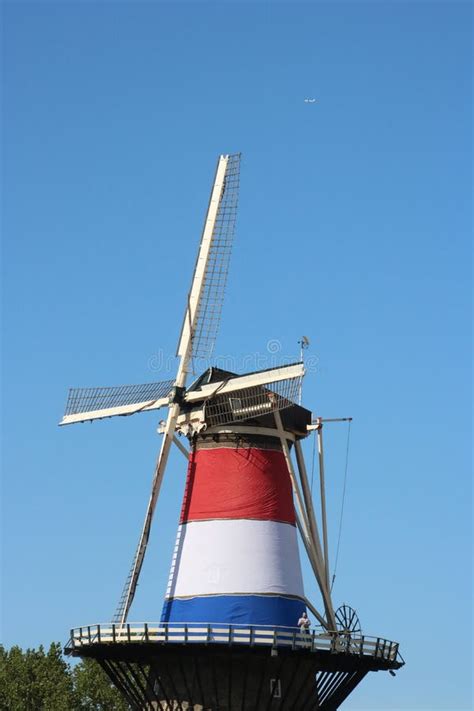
(349, 631)
(235, 574)
(348, 622)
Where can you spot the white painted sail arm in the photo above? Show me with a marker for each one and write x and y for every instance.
(95, 403)
(132, 581)
(202, 260)
(131, 409)
(262, 378)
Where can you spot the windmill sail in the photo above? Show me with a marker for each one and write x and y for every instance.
(205, 299)
(201, 321)
(84, 404)
(249, 403)
(252, 395)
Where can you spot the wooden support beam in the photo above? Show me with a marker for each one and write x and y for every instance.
(318, 574)
(304, 528)
(314, 529)
(181, 447)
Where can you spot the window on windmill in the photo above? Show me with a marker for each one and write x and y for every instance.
(275, 688)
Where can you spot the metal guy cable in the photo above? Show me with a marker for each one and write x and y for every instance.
(342, 505)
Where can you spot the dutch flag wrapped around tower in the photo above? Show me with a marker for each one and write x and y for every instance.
(236, 558)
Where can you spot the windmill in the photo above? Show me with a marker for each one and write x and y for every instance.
(228, 635)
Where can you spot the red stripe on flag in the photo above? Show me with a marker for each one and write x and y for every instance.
(238, 483)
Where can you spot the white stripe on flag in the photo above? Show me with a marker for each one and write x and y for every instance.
(237, 556)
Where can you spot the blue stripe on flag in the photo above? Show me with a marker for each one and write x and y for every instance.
(272, 610)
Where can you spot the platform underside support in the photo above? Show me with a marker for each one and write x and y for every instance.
(203, 678)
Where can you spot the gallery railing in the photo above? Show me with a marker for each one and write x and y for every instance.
(189, 633)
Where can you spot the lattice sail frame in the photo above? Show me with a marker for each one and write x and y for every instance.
(252, 402)
(87, 399)
(210, 304)
(96, 403)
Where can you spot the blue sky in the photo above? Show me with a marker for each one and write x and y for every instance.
(354, 229)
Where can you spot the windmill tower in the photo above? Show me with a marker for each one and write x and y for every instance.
(228, 637)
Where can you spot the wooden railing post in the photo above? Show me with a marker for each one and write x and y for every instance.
(376, 652)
